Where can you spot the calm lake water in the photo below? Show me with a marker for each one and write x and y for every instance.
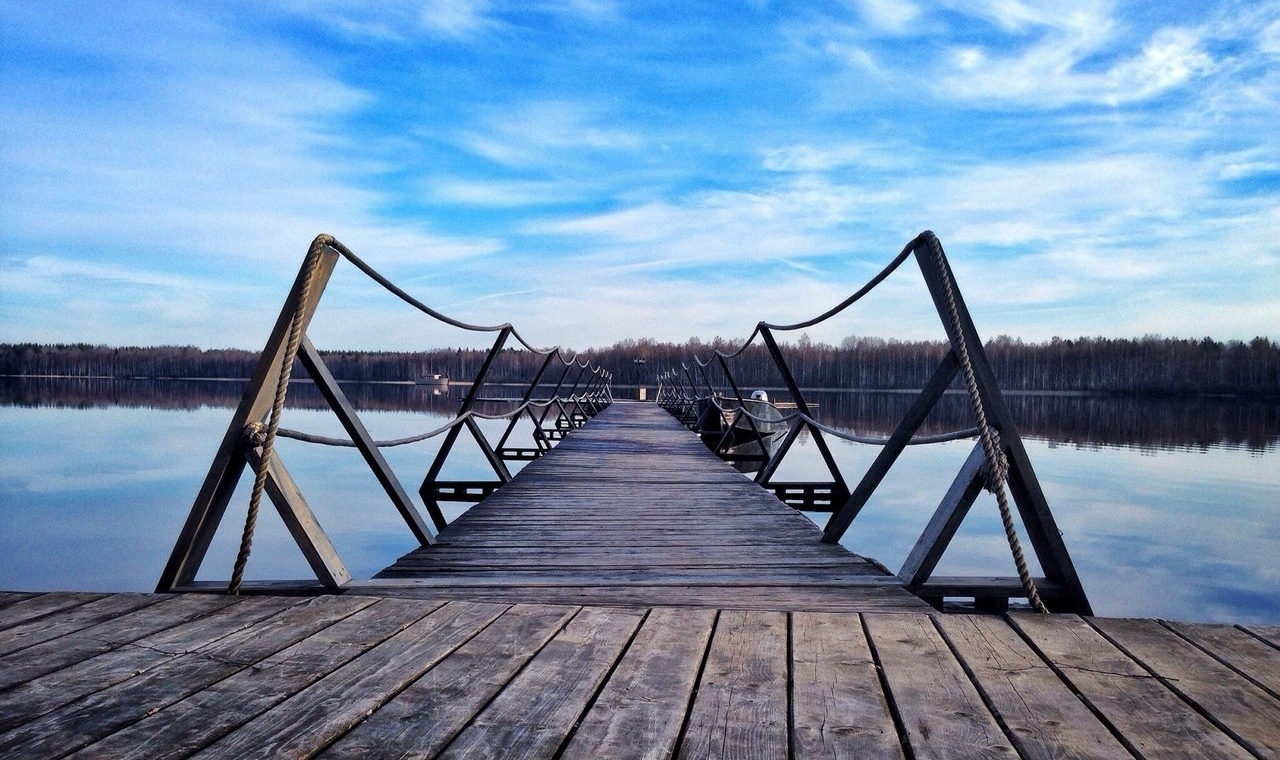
(1170, 508)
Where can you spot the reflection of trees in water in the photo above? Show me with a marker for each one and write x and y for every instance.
(1146, 422)
(85, 393)
(1079, 420)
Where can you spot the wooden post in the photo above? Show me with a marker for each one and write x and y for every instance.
(346, 413)
(892, 449)
(839, 488)
(431, 483)
(229, 461)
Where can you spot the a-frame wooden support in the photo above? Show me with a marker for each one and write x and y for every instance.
(236, 452)
(822, 496)
(1060, 588)
(434, 490)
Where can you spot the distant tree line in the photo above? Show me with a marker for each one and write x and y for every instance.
(1150, 364)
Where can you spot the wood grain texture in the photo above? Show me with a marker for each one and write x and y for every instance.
(741, 707)
(104, 712)
(633, 509)
(206, 716)
(37, 606)
(47, 693)
(318, 715)
(838, 706)
(71, 648)
(640, 711)
(1042, 716)
(39, 630)
(1233, 703)
(941, 711)
(1155, 721)
(421, 720)
(526, 720)
(1250, 656)
(352, 676)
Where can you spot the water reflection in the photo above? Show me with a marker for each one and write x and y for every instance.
(1143, 422)
(1168, 508)
(1082, 420)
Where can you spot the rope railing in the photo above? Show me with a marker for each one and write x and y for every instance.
(798, 417)
(697, 400)
(582, 390)
(322, 440)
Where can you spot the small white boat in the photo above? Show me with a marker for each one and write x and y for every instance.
(436, 379)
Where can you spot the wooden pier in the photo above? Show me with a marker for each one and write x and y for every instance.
(634, 510)
(626, 595)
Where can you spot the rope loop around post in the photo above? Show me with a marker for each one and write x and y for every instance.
(255, 432)
(996, 467)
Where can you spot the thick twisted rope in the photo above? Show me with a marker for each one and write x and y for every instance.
(268, 439)
(997, 466)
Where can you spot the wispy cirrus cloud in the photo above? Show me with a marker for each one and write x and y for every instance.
(545, 133)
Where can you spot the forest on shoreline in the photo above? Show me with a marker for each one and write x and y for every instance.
(1148, 365)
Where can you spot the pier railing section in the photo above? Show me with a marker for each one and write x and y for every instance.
(706, 397)
(561, 396)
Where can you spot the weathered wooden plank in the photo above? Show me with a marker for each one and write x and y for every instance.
(430, 712)
(1255, 659)
(99, 714)
(838, 707)
(50, 692)
(1042, 717)
(641, 709)
(844, 598)
(1151, 718)
(10, 597)
(186, 726)
(740, 710)
(36, 607)
(319, 714)
(632, 556)
(1268, 633)
(941, 712)
(528, 720)
(43, 629)
(48, 656)
(671, 576)
(1239, 707)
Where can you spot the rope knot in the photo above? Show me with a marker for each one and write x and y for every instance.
(254, 434)
(995, 467)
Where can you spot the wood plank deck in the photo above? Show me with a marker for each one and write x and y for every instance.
(632, 509)
(354, 676)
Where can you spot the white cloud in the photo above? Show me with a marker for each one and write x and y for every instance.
(455, 18)
(787, 222)
(1052, 72)
(546, 133)
(894, 16)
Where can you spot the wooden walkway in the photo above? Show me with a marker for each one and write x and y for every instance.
(167, 676)
(632, 509)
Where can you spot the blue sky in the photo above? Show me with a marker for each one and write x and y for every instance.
(595, 170)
